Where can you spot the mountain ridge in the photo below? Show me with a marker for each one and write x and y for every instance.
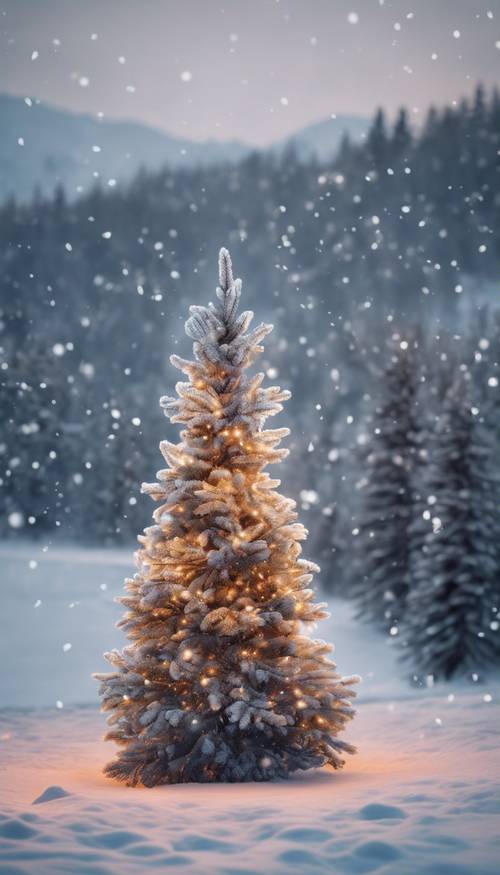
(42, 146)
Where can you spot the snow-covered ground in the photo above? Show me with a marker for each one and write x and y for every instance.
(421, 796)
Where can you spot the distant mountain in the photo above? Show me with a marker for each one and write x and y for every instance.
(323, 138)
(41, 146)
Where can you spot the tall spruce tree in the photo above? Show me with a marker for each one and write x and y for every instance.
(387, 490)
(451, 623)
(219, 683)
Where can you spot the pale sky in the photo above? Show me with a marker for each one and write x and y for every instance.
(253, 70)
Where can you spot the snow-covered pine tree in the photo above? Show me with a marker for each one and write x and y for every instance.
(219, 683)
(451, 623)
(387, 489)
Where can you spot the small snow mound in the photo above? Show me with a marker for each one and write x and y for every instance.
(298, 857)
(377, 811)
(378, 852)
(15, 829)
(49, 794)
(194, 842)
(304, 834)
(112, 839)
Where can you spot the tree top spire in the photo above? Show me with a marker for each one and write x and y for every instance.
(225, 270)
(219, 333)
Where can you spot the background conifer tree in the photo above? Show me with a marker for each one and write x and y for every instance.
(388, 498)
(451, 623)
(218, 681)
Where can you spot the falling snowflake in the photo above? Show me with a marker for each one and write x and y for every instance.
(16, 520)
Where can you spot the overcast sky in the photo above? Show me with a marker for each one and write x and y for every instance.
(255, 70)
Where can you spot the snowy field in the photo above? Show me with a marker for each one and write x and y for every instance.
(421, 796)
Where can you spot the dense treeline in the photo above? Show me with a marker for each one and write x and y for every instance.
(393, 231)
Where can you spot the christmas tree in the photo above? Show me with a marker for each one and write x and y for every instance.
(219, 681)
(451, 623)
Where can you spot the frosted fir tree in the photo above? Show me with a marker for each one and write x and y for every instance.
(452, 618)
(387, 498)
(219, 681)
